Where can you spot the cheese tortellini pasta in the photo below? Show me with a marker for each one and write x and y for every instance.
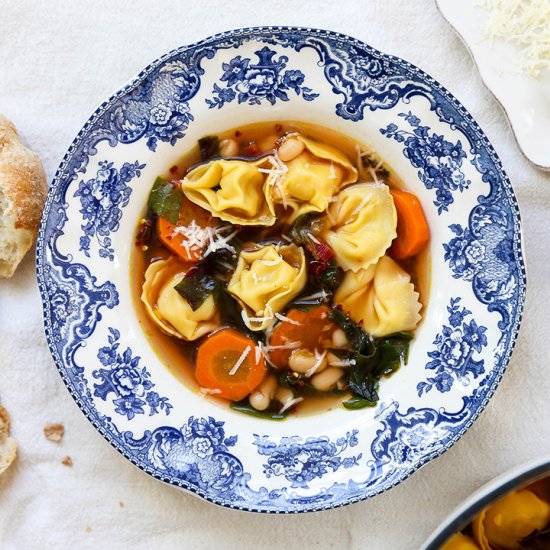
(507, 522)
(313, 177)
(380, 297)
(510, 519)
(361, 223)
(169, 310)
(232, 190)
(266, 280)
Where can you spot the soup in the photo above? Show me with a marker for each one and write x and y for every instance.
(281, 268)
(520, 519)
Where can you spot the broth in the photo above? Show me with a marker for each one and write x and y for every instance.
(178, 355)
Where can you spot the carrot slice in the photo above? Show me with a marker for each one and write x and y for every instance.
(413, 232)
(314, 330)
(175, 242)
(228, 364)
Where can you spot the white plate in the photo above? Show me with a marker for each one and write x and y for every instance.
(525, 99)
(459, 353)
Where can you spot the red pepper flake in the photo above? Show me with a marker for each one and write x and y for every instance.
(278, 127)
(174, 170)
(251, 149)
(238, 133)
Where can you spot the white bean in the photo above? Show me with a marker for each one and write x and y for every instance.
(261, 397)
(301, 360)
(339, 339)
(290, 149)
(327, 379)
(228, 148)
(284, 395)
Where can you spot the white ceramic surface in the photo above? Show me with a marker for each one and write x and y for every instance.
(459, 353)
(525, 99)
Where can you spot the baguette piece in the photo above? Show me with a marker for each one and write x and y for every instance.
(22, 197)
(8, 446)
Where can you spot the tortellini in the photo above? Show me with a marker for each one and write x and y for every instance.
(169, 310)
(233, 190)
(361, 224)
(382, 297)
(460, 541)
(313, 177)
(266, 280)
(510, 519)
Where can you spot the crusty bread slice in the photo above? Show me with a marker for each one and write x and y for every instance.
(8, 446)
(22, 197)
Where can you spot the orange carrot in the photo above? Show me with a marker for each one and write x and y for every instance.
(413, 232)
(228, 364)
(313, 331)
(174, 241)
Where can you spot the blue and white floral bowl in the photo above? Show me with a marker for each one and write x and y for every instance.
(302, 464)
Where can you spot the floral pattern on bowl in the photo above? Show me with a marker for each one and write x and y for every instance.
(470, 322)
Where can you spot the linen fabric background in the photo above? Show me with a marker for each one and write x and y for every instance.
(58, 61)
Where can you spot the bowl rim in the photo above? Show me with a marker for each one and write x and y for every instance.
(250, 32)
(513, 479)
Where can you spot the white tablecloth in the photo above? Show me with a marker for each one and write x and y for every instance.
(58, 60)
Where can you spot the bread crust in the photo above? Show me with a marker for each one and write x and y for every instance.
(8, 446)
(22, 194)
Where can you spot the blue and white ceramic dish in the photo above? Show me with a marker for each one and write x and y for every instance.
(308, 463)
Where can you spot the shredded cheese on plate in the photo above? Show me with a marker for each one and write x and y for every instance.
(524, 23)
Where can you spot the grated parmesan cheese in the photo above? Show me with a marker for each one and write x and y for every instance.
(322, 294)
(318, 362)
(290, 403)
(277, 173)
(212, 238)
(240, 361)
(290, 345)
(208, 391)
(524, 23)
(281, 317)
(266, 356)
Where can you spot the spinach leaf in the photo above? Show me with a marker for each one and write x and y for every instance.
(304, 226)
(363, 379)
(165, 200)
(355, 403)
(230, 313)
(224, 260)
(331, 277)
(195, 287)
(245, 407)
(393, 351)
(209, 147)
(357, 337)
(372, 360)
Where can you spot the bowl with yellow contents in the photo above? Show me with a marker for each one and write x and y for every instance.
(511, 511)
(281, 270)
